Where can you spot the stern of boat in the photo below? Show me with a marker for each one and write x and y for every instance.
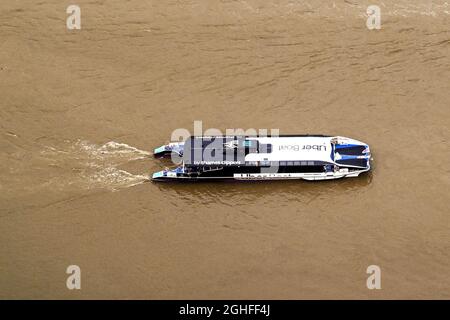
(168, 149)
(168, 174)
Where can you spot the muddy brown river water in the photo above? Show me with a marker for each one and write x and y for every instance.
(81, 111)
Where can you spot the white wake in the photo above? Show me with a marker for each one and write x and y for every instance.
(87, 165)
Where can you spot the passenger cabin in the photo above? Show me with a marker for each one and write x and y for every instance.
(247, 154)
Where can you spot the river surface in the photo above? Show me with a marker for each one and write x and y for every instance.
(81, 111)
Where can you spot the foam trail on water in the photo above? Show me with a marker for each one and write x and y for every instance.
(112, 178)
(112, 149)
(91, 166)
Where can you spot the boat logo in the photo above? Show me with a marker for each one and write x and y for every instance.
(231, 144)
(297, 147)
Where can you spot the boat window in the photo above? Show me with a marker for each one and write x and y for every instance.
(264, 148)
(248, 143)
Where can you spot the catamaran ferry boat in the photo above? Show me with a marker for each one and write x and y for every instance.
(308, 157)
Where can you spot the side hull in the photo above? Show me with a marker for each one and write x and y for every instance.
(267, 176)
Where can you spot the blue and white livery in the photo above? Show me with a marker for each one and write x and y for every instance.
(287, 157)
